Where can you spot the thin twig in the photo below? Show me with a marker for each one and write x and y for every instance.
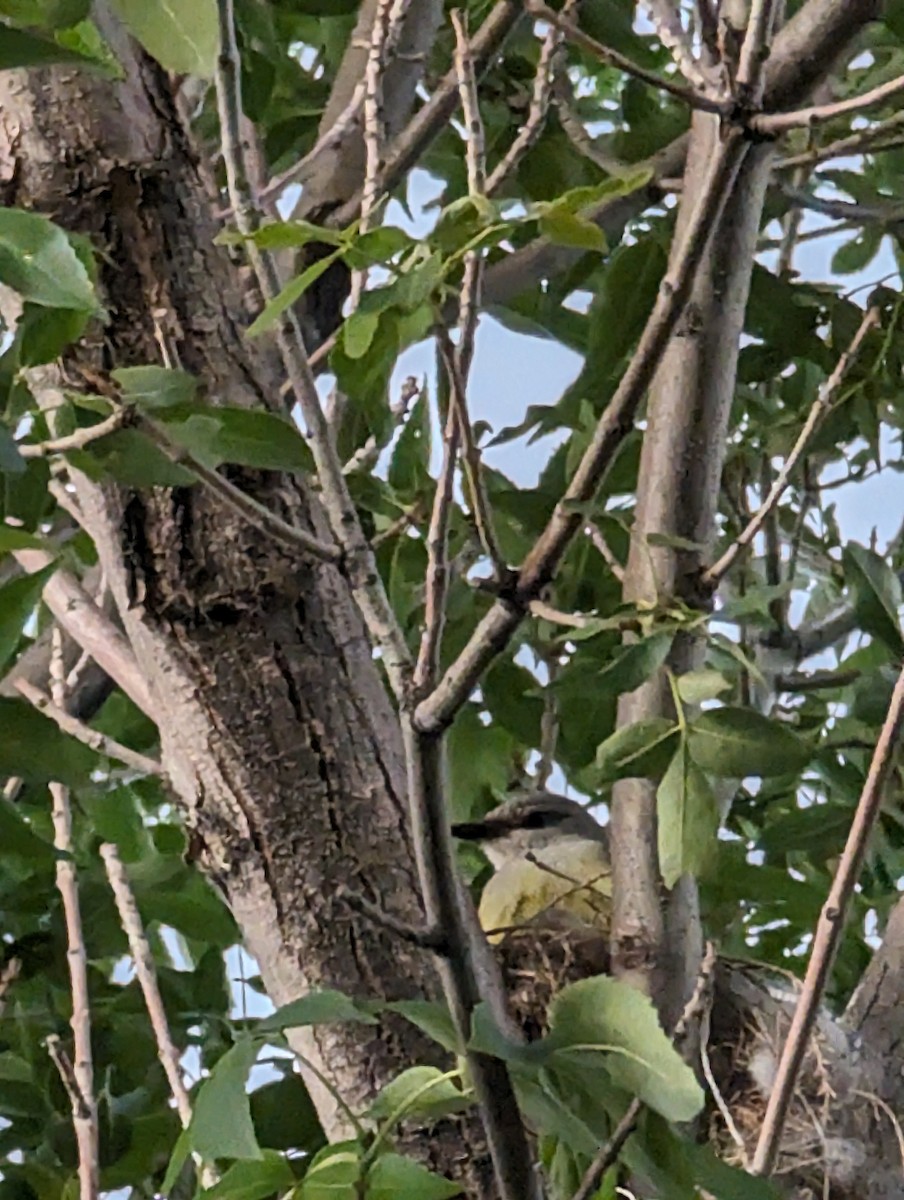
(74, 441)
(860, 142)
(427, 667)
(496, 628)
(530, 131)
(602, 546)
(821, 405)
(426, 939)
(408, 148)
(256, 514)
(81, 1081)
(99, 742)
(667, 20)
(549, 724)
(575, 131)
(612, 58)
(545, 612)
(775, 123)
(827, 937)
(146, 973)
(361, 568)
(471, 460)
(366, 456)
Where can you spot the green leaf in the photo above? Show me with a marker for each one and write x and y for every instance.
(19, 48)
(431, 1017)
(293, 291)
(698, 686)
(394, 1177)
(155, 387)
(45, 14)
(565, 228)
(221, 1123)
(11, 461)
(18, 839)
(334, 1174)
(253, 1179)
(250, 437)
(877, 595)
(34, 747)
(21, 539)
(129, 456)
(687, 818)
(285, 235)
(636, 663)
(18, 600)
(409, 469)
(358, 333)
(181, 34)
(326, 1007)
(423, 1091)
(736, 742)
(37, 260)
(639, 751)
(605, 1023)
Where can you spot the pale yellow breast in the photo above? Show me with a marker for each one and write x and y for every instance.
(574, 879)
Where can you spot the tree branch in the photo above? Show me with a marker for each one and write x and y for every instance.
(497, 627)
(146, 973)
(91, 628)
(81, 1082)
(776, 123)
(820, 407)
(612, 58)
(98, 741)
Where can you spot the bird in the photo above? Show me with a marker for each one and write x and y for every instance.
(550, 862)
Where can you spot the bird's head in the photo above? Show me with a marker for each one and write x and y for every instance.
(530, 825)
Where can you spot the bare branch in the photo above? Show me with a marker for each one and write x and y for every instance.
(612, 58)
(823, 402)
(596, 536)
(497, 627)
(667, 20)
(365, 457)
(755, 49)
(74, 441)
(437, 583)
(363, 575)
(864, 141)
(827, 937)
(98, 741)
(146, 973)
(536, 117)
(430, 120)
(464, 964)
(563, 97)
(775, 123)
(473, 466)
(91, 628)
(81, 1081)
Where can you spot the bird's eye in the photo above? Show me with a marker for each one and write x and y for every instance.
(536, 820)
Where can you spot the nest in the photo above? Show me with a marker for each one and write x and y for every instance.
(540, 958)
(828, 1127)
